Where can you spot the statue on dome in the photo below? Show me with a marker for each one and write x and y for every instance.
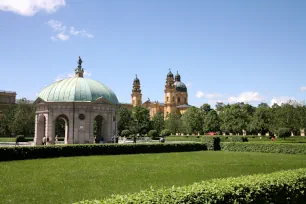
(80, 61)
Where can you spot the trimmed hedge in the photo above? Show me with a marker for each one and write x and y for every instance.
(289, 148)
(35, 152)
(279, 187)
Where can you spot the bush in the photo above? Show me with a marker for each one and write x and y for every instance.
(212, 143)
(165, 132)
(153, 133)
(125, 133)
(284, 132)
(20, 138)
(239, 139)
(266, 148)
(278, 187)
(35, 152)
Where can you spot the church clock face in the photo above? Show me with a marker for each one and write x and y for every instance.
(81, 116)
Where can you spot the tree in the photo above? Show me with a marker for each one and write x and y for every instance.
(235, 118)
(172, 122)
(261, 120)
(153, 134)
(19, 119)
(211, 122)
(158, 122)
(205, 108)
(124, 119)
(140, 120)
(284, 132)
(192, 120)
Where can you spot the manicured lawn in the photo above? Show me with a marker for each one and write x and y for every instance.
(65, 180)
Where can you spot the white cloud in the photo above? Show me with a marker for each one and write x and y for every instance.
(246, 97)
(303, 88)
(280, 100)
(31, 7)
(82, 33)
(62, 36)
(63, 33)
(209, 96)
(56, 25)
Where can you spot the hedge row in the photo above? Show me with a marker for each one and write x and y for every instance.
(266, 148)
(279, 187)
(19, 153)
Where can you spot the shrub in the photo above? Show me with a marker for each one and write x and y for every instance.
(212, 143)
(266, 148)
(34, 152)
(125, 133)
(239, 139)
(284, 132)
(153, 133)
(20, 138)
(278, 187)
(165, 132)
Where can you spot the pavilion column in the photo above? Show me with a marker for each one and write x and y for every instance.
(36, 141)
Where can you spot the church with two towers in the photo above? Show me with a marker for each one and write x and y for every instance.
(175, 97)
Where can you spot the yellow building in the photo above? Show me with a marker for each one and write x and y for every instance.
(175, 97)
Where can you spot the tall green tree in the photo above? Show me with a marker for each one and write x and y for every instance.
(158, 122)
(192, 120)
(124, 119)
(140, 120)
(172, 122)
(211, 122)
(261, 120)
(19, 119)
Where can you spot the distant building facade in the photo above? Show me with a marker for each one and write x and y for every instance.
(175, 97)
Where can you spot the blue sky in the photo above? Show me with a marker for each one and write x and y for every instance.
(252, 51)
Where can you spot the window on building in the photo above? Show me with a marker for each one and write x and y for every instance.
(185, 100)
(139, 102)
(167, 98)
(178, 99)
(172, 99)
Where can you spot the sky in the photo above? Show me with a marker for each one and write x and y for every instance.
(231, 51)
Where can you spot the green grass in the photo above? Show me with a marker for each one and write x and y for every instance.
(66, 180)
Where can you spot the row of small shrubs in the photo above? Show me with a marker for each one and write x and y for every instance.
(151, 133)
(19, 153)
(266, 148)
(279, 187)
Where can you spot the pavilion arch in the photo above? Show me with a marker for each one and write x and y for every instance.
(40, 129)
(97, 128)
(61, 127)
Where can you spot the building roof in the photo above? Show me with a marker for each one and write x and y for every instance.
(180, 86)
(77, 89)
(184, 106)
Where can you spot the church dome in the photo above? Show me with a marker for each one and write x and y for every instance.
(77, 89)
(170, 74)
(180, 86)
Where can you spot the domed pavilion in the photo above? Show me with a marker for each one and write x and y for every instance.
(87, 107)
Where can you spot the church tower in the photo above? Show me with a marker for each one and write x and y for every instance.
(170, 95)
(136, 93)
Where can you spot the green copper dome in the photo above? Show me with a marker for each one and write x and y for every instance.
(180, 86)
(77, 89)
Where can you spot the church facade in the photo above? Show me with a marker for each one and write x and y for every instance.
(175, 97)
